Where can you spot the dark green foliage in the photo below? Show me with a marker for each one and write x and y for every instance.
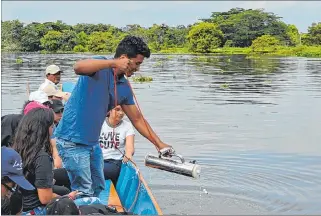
(225, 32)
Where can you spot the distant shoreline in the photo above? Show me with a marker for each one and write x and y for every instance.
(251, 32)
(282, 51)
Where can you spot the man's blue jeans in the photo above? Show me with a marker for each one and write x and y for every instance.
(84, 165)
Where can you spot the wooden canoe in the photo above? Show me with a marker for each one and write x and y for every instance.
(131, 194)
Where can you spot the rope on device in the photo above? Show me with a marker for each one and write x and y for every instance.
(114, 142)
(145, 122)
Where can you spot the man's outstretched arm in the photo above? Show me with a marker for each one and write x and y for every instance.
(142, 126)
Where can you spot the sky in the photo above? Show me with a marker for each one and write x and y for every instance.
(147, 13)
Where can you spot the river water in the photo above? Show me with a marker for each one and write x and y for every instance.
(252, 124)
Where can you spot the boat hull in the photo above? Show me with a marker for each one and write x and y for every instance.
(131, 194)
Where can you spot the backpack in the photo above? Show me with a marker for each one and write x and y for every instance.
(100, 209)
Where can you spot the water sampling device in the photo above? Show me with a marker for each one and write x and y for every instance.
(181, 167)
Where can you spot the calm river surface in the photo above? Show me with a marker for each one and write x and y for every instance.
(253, 125)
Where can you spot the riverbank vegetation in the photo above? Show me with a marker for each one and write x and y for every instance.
(237, 31)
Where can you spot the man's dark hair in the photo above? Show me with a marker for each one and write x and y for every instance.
(132, 46)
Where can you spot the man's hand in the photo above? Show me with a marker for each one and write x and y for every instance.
(72, 195)
(166, 150)
(122, 64)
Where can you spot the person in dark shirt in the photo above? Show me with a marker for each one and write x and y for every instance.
(10, 122)
(58, 109)
(11, 178)
(32, 142)
(60, 173)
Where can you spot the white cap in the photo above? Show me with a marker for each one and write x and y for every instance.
(38, 96)
(52, 69)
(50, 90)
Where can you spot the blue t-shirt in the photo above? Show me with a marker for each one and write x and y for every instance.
(87, 107)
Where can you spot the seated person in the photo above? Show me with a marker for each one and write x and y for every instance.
(10, 122)
(11, 177)
(58, 109)
(32, 142)
(117, 143)
(60, 174)
(41, 97)
(53, 75)
(52, 93)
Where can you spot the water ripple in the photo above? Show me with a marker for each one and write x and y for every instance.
(253, 124)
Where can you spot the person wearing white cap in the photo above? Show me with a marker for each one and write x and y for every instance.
(53, 93)
(39, 96)
(53, 75)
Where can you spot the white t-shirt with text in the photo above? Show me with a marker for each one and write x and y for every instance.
(106, 138)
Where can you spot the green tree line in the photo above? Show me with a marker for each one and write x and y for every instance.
(254, 31)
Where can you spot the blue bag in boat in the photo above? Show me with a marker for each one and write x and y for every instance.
(87, 201)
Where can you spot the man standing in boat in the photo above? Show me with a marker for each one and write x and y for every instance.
(77, 134)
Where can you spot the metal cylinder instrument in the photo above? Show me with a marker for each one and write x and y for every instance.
(181, 167)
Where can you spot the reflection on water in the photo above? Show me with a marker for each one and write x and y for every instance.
(246, 183)
(251, 175)
(253, 124)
